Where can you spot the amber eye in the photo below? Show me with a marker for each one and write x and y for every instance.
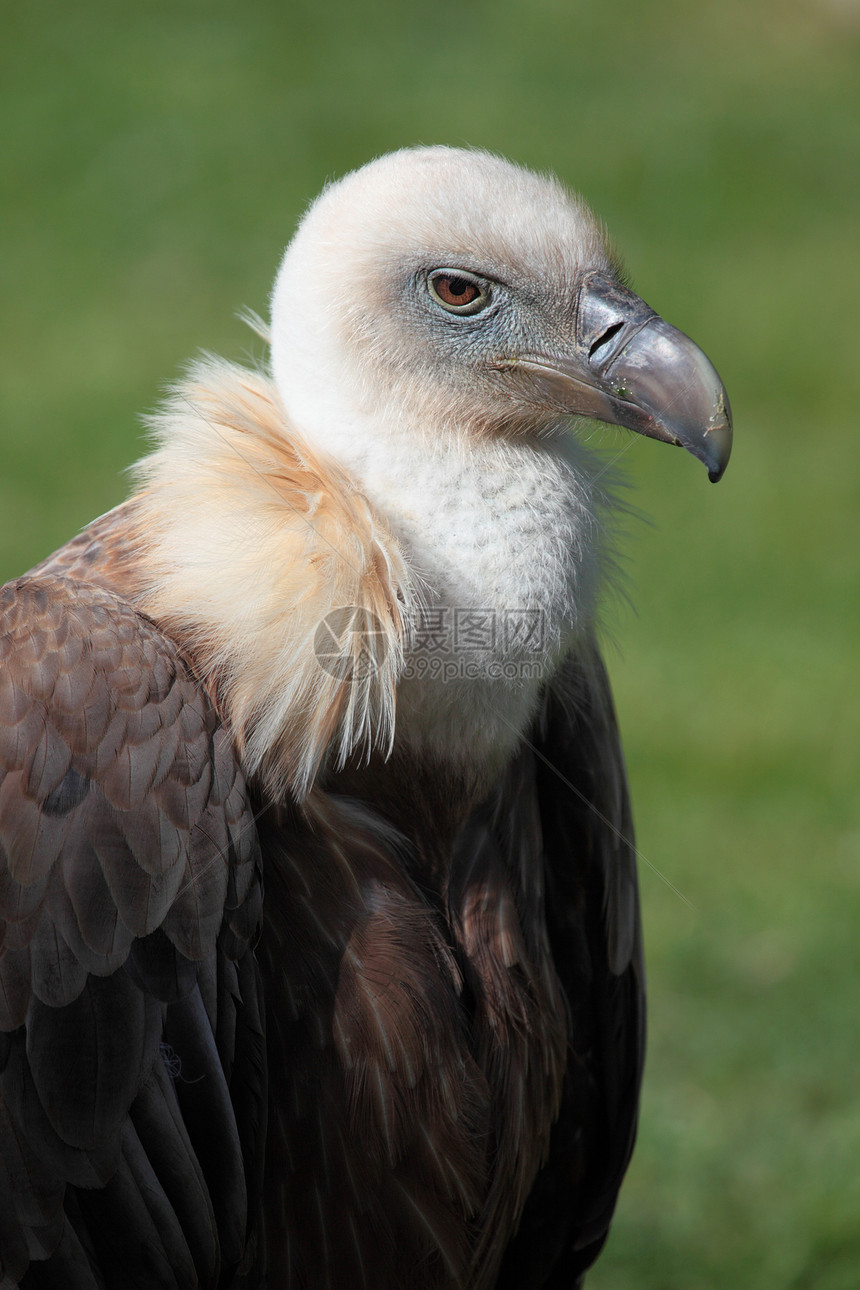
(458, 292)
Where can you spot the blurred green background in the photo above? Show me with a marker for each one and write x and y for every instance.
(154, 160)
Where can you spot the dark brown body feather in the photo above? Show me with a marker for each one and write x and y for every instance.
(415, 1063)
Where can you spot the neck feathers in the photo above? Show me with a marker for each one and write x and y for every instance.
(308, 615)
(262, 558)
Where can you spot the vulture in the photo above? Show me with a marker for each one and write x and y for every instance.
(320, 960)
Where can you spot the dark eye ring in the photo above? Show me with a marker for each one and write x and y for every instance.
(458, 292)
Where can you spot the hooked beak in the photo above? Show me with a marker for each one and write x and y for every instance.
(630, 368)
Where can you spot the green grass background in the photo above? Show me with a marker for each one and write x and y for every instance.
(154, 159)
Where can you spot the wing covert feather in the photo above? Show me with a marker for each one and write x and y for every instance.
(129, 894)
(592, 917)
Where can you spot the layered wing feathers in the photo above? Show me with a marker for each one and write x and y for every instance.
(594, 931)
(129, 895)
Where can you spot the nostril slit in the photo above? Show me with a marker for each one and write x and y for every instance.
(605, 338)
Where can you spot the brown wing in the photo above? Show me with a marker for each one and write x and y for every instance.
(132, 1078)
(592, 913)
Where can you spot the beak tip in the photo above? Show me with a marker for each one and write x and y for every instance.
(718, 446)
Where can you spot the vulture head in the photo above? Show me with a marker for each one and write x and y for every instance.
(449, 288)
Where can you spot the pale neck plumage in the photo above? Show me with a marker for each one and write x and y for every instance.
(503, 535)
